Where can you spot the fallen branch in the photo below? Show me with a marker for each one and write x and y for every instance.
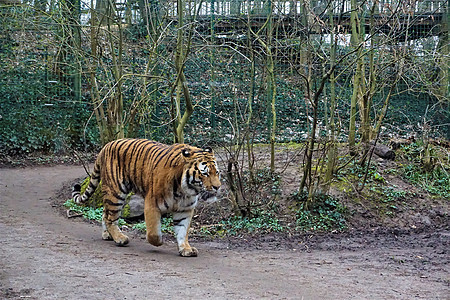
(397, 143)
(69, 215)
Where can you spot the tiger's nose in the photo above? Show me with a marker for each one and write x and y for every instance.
(216, 187)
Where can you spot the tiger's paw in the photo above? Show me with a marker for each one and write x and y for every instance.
(189, 252)
(155, 240)
(106, 236)
(121, 240)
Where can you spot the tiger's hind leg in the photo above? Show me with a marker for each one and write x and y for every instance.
(105, 234)
(112, 207)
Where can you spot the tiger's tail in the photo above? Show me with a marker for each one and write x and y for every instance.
(93, 183)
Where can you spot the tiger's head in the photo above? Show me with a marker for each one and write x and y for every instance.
(200, 173)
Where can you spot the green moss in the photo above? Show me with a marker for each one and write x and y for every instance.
(342, 185)
(126, 211)
(96, 199)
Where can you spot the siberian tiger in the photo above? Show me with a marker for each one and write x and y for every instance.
(170, 178)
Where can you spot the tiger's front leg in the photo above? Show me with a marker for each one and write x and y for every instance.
(153, 223)
(181, 224)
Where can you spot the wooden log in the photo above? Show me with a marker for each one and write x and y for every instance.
(397, 143)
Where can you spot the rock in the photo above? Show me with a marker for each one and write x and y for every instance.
(136, 206)
(426, 220)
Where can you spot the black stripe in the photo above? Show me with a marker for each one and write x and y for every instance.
(136, 159)
(190, 204)
(170, 158)
(112, 211)
(92, 185)
(175, 189)
(194, 176)
(111, 161)
(113, 220)
(109, 202)
(170, 162)
(161, 149)
(188, 176)
(176, 222)
(117, 180)
(175, 154)
(130, 143)
(96, 172)
(128, 186)
(126, 167)
(117, 196)
(119, 161)
(121, 187)
(156, 153)
(164, 154)
(152, 149)
(135, 145)
(166, 205)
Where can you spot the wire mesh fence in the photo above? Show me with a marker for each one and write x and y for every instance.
(40, 65)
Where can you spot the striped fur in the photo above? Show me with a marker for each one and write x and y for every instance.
(170, 178)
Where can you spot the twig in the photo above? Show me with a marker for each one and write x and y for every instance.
(82, 162)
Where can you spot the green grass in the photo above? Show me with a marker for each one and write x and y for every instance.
(166, 225)
(88, 212)
(389, 198)
(324, 213)
(436, 181)
(262, 222)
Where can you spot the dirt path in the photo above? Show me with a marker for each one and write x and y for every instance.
(43, 255)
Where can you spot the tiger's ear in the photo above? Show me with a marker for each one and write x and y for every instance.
(186, 152)
(208, 149)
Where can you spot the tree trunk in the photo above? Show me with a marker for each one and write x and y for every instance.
(444, 61)
(115, 108)
(355, 39)
(332, 153)
(95, 94)
(180, 83)
(273, 88)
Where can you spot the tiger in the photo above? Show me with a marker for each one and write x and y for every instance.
(170, 178)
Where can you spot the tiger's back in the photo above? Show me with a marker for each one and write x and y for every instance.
(129, 165)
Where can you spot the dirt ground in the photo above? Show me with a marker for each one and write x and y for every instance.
(44, 255)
